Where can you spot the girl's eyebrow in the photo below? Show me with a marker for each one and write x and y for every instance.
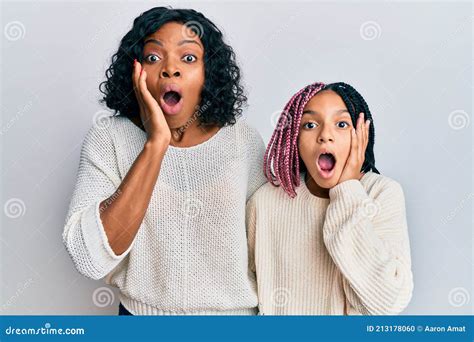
(157, 42)
(337, 112)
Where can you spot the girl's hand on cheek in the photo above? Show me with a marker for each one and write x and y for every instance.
(150, 111)
(359, 141)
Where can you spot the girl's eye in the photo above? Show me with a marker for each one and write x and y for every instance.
(342, 123)
(189, 58)
(152, 58)
(309, 125)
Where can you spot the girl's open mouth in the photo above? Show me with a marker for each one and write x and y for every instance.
(171, 102)
(326, 165)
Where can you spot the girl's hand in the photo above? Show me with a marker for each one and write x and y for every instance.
(150, 111)
(359, 141)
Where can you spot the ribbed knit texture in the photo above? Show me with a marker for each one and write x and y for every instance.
(348, 254)
(190, 254)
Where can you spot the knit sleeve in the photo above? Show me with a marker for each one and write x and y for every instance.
(97, 179)
(255, 154)
(250, 222)
(367, 239)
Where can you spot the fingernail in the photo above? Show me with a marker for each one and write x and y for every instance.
(134, 62)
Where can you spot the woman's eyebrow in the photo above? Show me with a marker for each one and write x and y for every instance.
(186, 41)
(151, 40)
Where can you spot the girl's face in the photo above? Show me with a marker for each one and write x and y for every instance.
(324, 140)
(174, 64)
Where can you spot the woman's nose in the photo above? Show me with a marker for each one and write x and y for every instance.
(167, 73)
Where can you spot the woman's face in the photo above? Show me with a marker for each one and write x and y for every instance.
(174, 64)
(324, 140)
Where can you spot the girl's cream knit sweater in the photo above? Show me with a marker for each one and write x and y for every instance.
(348, 254)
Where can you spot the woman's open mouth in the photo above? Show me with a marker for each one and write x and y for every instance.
(326, 164)
(171, 101)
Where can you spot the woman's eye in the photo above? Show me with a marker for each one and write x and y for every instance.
(152, 58)
(309, 125)
(342, 124)
(189, 58)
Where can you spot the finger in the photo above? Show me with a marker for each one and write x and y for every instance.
(360, 136)
(145, 93)
(136, 77)
(354, 145)
(367, 128)
(148, 99)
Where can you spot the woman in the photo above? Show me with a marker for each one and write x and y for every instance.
(159, 204)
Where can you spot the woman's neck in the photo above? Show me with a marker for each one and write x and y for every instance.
(187, 135)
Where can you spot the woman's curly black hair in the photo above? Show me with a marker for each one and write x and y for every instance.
(222, 97)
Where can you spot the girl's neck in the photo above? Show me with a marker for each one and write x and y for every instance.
(314, 188)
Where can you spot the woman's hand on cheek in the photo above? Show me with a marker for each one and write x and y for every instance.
(359, 141)
(150, 111)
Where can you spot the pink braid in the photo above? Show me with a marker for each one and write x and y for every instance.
(281, 163)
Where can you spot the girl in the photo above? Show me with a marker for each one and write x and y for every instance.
(159, 204)
(328, 235)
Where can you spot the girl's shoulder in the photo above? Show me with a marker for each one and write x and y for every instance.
(375, 184)
(269, 196)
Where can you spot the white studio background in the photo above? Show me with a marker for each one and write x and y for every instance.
(411, 61)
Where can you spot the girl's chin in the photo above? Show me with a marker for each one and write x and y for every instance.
(325, 179)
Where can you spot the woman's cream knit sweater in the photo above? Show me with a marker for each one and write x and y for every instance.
(348, 254)
(190, 254)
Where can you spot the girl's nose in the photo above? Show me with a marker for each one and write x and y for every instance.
(325, 136)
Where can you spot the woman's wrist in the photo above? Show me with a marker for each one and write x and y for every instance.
(157, 145)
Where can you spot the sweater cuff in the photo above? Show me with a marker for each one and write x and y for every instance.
(351, 189)
(96, 239)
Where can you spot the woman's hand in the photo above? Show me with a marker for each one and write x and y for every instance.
(359, 141)
(150, 112)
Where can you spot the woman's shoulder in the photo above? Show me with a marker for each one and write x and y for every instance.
(246, 131)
